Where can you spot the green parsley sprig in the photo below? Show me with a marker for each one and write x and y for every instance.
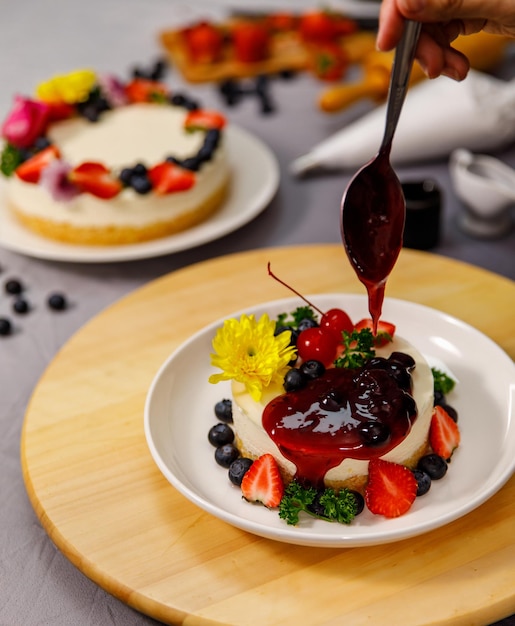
(294, 318)
(333, 507)
(358, 347)
(442, 382)
(9, 159)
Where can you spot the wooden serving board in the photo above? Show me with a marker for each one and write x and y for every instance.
(107, 507)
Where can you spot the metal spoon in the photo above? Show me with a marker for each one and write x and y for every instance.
(373, 206)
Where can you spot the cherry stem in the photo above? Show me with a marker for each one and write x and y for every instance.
(270, 273)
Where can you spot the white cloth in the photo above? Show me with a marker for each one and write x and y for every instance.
(439, 116)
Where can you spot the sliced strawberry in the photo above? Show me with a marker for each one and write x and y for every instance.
(204, 42)
(263, 482)
(329, 61)
(145, 90)
(444, 434)
(96, 179)
(385, 330)
(251, 42)
(204, 120)
(391, 488)
(30, 170)
(167, 177)
(318, 26)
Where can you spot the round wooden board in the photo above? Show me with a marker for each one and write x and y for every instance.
(107, 507)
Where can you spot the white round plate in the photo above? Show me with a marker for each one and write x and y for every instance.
(254, 184)
(179, 413)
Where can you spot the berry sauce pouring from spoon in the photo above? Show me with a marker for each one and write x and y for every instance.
(373, 206)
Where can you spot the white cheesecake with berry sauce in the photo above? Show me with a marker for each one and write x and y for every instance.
(321, 435)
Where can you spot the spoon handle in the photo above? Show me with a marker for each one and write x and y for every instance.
(401, 70)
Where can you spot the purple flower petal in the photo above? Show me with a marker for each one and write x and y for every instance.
(54, 178)
(113, 90)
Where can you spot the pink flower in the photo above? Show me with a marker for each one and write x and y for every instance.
(54, 178)
(26, 122)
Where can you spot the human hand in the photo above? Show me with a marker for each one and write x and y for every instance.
(444, 20)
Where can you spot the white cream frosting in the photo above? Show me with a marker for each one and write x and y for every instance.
(247, 415)
(139, 133)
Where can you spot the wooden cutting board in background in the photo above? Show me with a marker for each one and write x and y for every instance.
(104, 503)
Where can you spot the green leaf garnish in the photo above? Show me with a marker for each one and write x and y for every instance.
(9, 159)
(442, 382)
(358, 347)
(335, 507)
(296, 317)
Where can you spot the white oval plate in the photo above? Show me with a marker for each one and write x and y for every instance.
(179, 413)
(254, 183)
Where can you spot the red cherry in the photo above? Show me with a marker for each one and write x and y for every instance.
(336, 321)
(318, 344)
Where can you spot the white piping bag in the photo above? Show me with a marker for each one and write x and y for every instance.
(439, 116)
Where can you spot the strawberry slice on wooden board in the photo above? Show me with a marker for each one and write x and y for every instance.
(96, 179)
(391, 488)
(263, 482)
(444, 434)
(204, 42)
(251, 42)
(168, 177)
(30, 170)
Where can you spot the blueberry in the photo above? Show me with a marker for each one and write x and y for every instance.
(139, 169)
(5, 327)
(316, 507)
(20, 306)
(178, 99)
(220, 434)
(204, 154)
(294, 333)
(331, 401)
(374, 433)
(41, 143)
(238, 469)
(306, 323)
(223, 410)
(312, 369)
(360, 501)
(57, 301)
(13, 287)
(126, 175)
(212, 138)
(192, 163)
(226, 454)
(406, 360)
(141, 183)
(433, 465)
(439, 398)
(423, 481)
(450, 410)
(294, 380)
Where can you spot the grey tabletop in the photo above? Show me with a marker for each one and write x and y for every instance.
(38, 585)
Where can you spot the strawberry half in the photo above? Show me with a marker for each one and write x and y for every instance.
(263, 482)
(168, 177)
(30, 170)
(204, 42)
(391, 488)
(96, 179)
(204, 120)
(145, 90)
(444, 434)
(385, 331)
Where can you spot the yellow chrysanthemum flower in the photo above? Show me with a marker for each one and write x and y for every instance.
(70, 88)
(247, 351)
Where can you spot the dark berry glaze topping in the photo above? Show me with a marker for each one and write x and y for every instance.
(360, 413)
